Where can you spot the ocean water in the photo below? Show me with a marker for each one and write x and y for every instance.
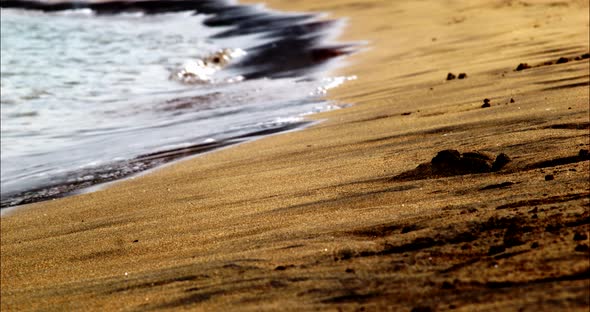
(88, 98)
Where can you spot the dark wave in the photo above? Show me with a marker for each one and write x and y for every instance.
(297, 41)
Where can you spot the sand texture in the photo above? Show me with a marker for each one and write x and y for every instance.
(354, 213)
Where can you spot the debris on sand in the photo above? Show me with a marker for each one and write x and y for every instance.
(451, 76)
(522, 66)
(451, 163)
(486, 103)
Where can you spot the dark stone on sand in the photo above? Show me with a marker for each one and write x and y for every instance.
(451, 76)
(406, 113)
(349, 270)
(562, 60)
(486, 103)
(445, 160)
(501, 161)
(522, 66)
(280, 268)
(451, 162)
(585, 55)
(583, 153)
(136, 241)
(496, 249)
(549, 177)
(581, 248)
(462, 76)
(421, 309)
(535, 245)
(534, 210)
(511, 100)
(580, 236)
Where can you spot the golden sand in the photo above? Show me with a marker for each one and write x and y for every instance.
(316, 219)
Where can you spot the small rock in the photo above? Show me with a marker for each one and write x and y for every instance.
(406, 113)
(136, 241)
(421, 309)
(580, 236)
(280, 268)
(549, 177)
(451, 76)
(511, 100)
(585, 55)
(535, 245)
(581, 248)
(462, 76)
(562, 60)
(484, 105)
(501, 161)
(349, 270)
(522, 66)
(534, 210)
(583, 153)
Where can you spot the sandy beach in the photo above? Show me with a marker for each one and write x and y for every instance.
(360, 212)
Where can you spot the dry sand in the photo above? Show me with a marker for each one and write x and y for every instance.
(338, 216)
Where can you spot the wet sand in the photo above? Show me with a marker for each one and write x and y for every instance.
(360, 212)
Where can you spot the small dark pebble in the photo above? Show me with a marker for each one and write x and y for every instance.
(549, 177)
(511, 100)
(136, 241)
(562, 60)
(484, 105)
(349, 270)
(534, 210)
(462, 76)
(447, 285)
(452, 307)
(451, 76)
(581, 248)
(486, 100)
(580, 236)
(406, 113)
(496, 250)
(585, 55)
(522, 66)
(501, 161)
(583, 153)
(421, 309)
(534, 216)
(535, 245)
(280, 268)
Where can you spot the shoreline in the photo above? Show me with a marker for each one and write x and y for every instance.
(297, 58)
(338, 215)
